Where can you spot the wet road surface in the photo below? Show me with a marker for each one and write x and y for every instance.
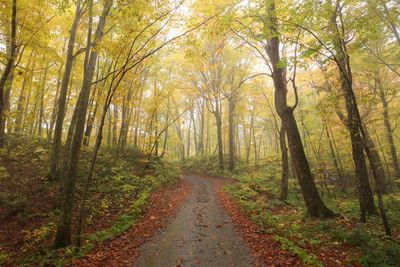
(201, 234)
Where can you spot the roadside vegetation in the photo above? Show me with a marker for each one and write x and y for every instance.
(315, 241)
(121, 187)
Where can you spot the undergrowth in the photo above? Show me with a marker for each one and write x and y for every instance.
(121, 186)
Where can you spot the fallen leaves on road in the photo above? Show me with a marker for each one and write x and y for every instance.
(266, 251)
(123, 250)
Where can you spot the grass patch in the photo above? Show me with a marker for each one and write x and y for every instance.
(124, 222)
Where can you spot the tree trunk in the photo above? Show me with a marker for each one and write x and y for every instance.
(335, 162)
(195, 141)
(8, 67)
(88, 179)
(231, 138)
(375, 161)
(114, 125)
(201, 130)
(63, 235)
(218, 122)
(56, 146)
(41, 100)
(188, 141)
(8, 86)
(21, 99)
(55, 102)
(353, 122)
(313, 202)
(389, 131)
(253, 137)
(90, 124)
(166, 130)
(285, 164)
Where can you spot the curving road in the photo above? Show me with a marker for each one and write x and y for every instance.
(201, 234)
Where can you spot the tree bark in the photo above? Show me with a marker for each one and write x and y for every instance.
(231, 138)
(63, 235)
(375, 161)
(21, 99)
(353, 121)
(218, 121)
(313, 202)
(285, 165)
(56, 146)
(195, 141)
(388, 130)
(55, 102)
(41, 101)
(114, 125)
(336, 162)
(201, 130)
(8, 67)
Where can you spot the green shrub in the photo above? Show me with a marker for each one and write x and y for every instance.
(308, 259)
(375, 252)
(4, 258)
(4, 173)
(124, 221)
(12, 203)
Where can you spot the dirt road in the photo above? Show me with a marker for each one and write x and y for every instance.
(201, 234)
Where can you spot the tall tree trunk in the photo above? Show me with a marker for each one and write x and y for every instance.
(21, 99)
(335, 161)
(126, 118)
(218, 121)
(8, 68)
(238, 144)
(56, 146)
(313, 202)
(156, 139)
(375, 161)
(114, 125)
(25, 113)
(253, 137)
(188, 139)
(353, 121)
(231, 138)
(202, 124)
(388, 130)
(138, 109)
(8, 86)
(182, 143)
(285, 164)
(41, 100)
(365, 192)
(63, 235)
(247, 139)
(55, 102)
(90, 124)
(195, 141)
(88, 179)
(166, 130)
